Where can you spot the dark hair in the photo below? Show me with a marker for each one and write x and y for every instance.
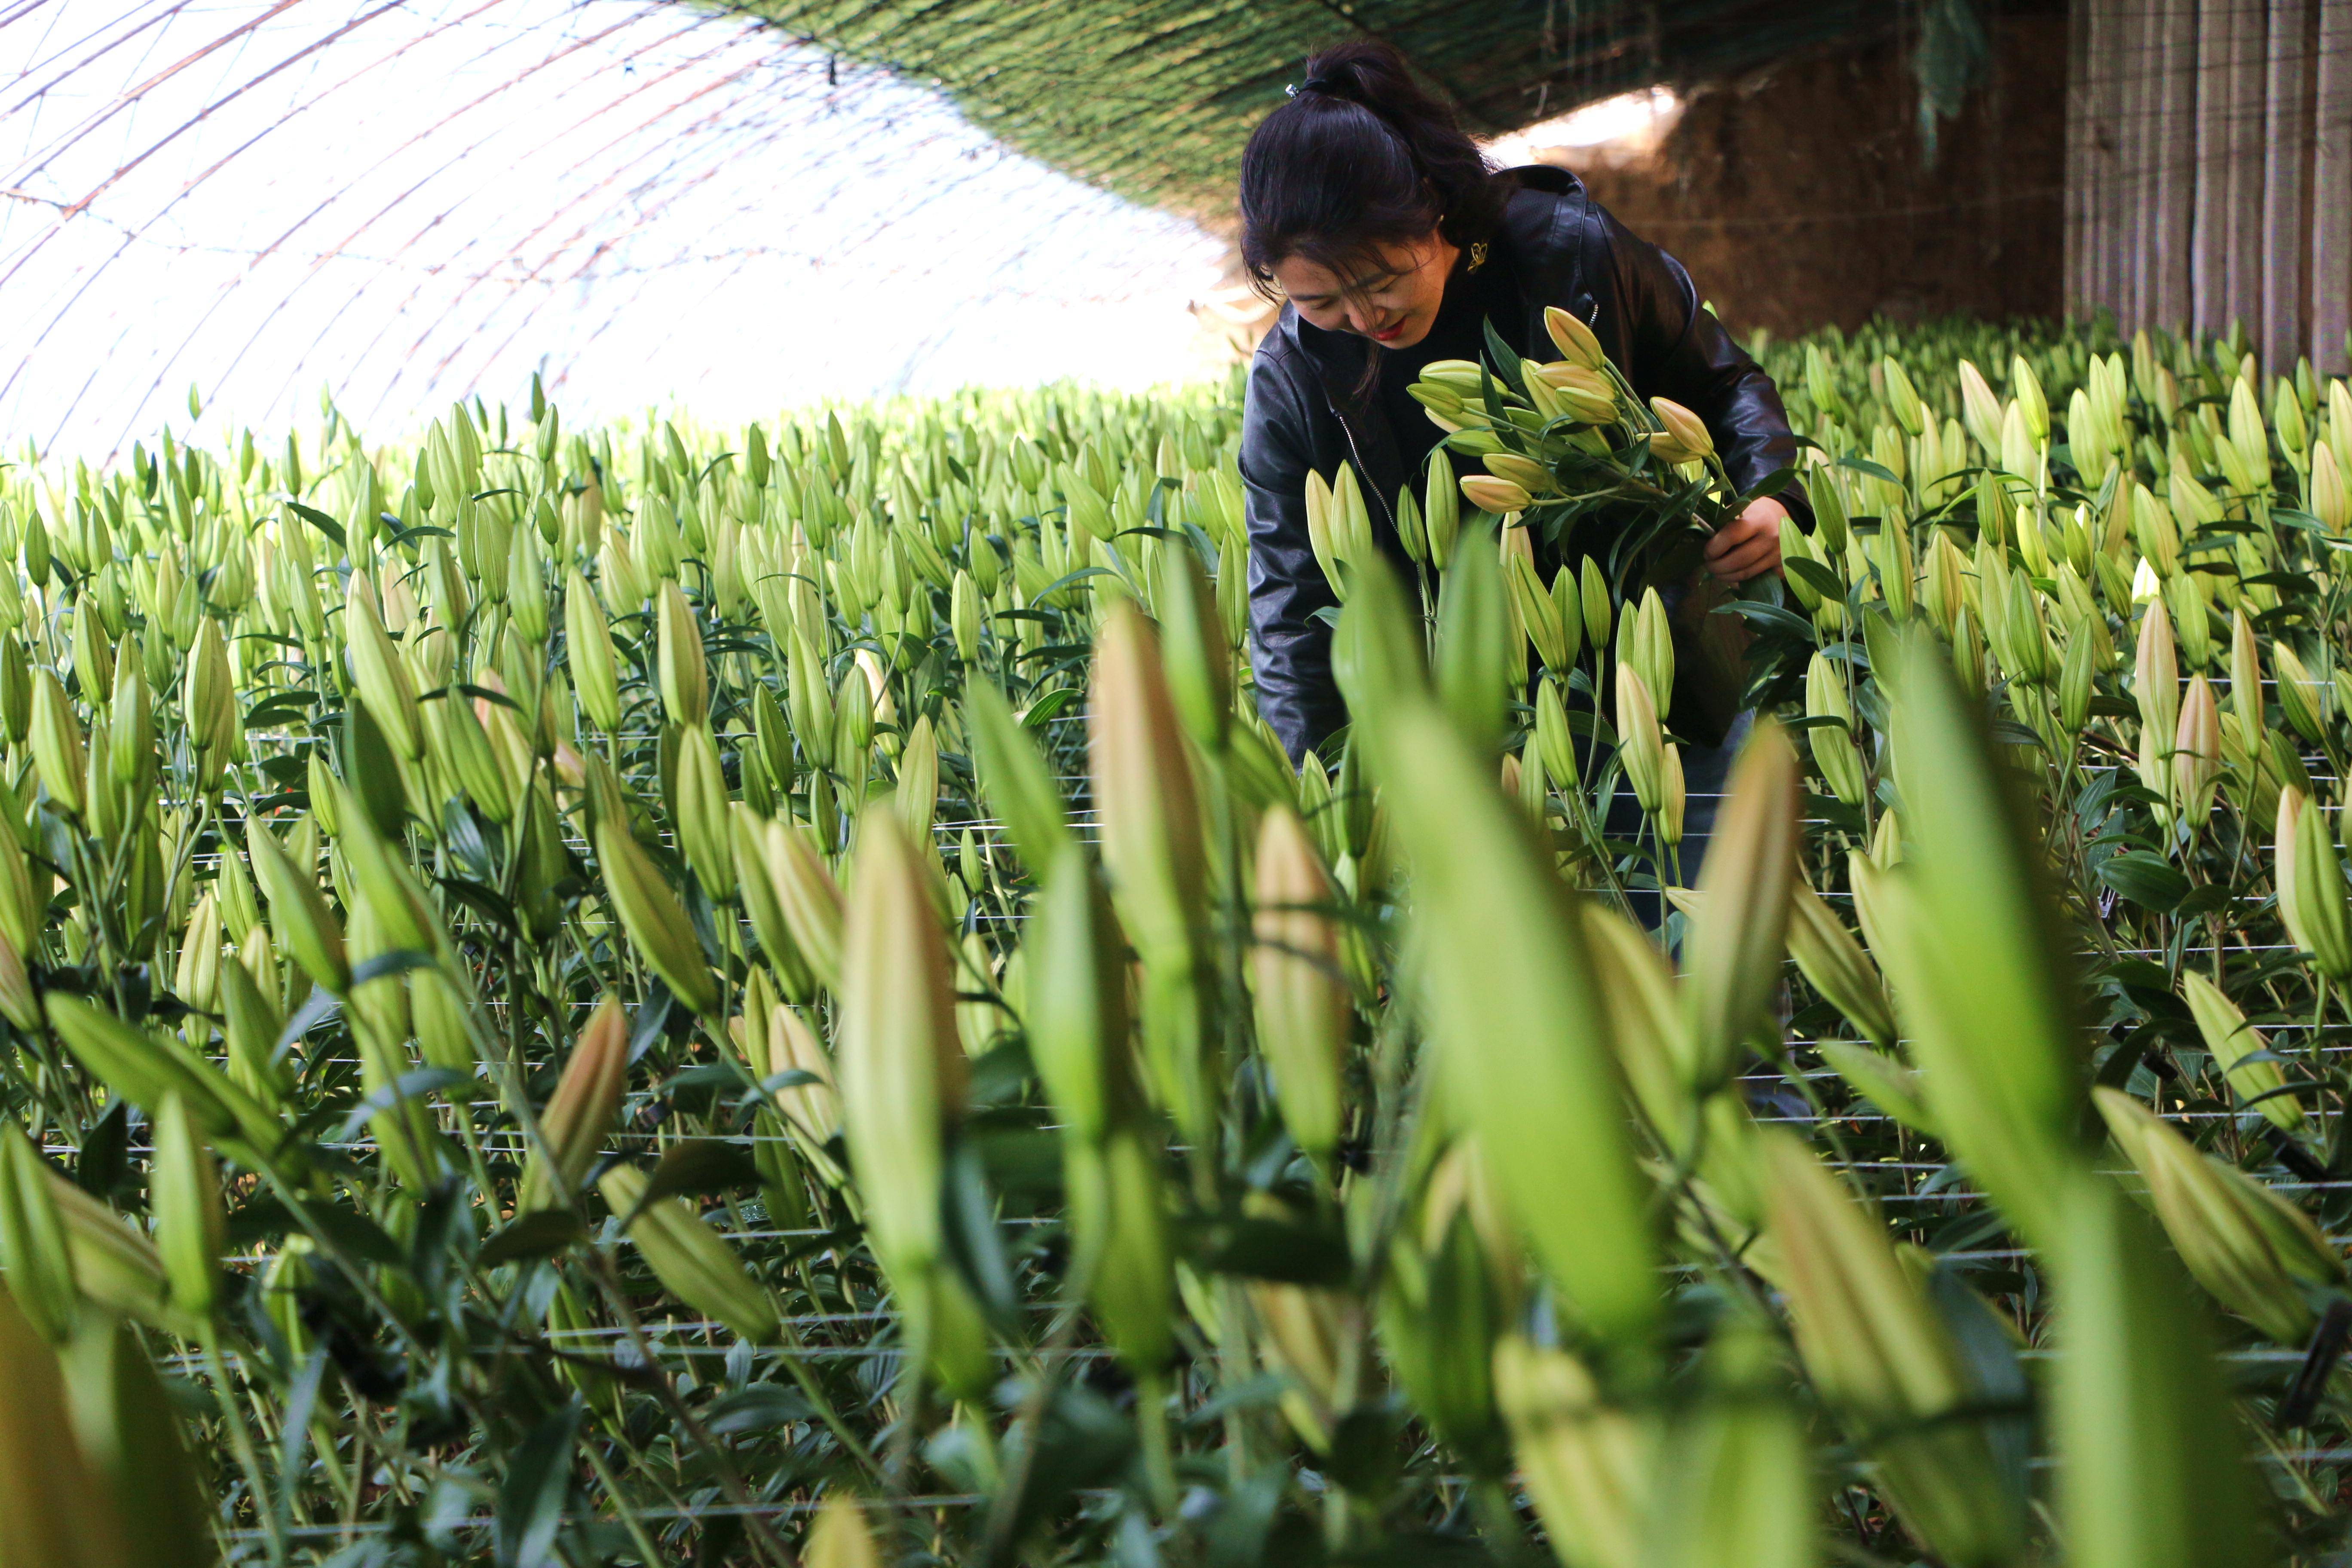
(1361, 157)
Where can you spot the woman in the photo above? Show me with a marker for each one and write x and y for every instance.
(1368, 208)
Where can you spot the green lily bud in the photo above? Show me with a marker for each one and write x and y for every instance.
(808, 897)
(57, 744)
(1304, 1011)
(812, 702)
(526, 587)
(1145, 793)
(701, 804)
(684, 678)
(1441, 510)
(378, 675)
(1884, 1362)
(33, 1255)
(588, 645)
(2311, 885)
(253, 1023)
(299, 916)
(1078, 1013)
(1640, 744)
(191, 1228)
(690, 1259)
(903, 1071)
(1119, 1216)
(1736, 949)
(653, 917)
(1194, 651)
(964, 616)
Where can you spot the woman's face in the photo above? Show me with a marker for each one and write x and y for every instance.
(1392, 297)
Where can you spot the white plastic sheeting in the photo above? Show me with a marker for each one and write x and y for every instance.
(406, 201)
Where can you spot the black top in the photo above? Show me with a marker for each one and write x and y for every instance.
(1475, 295)
(1311, 407)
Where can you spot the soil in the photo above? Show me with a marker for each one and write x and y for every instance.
(1801, 198)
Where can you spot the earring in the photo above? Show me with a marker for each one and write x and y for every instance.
(1477, 255)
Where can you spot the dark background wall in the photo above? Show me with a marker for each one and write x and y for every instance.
(1800, 196)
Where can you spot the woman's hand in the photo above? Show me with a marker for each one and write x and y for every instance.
(1749, 544)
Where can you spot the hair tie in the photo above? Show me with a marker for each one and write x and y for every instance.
(1316, 84)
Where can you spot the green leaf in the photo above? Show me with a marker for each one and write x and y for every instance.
(319, 521)
(531, 1503)
(535, 1235)
(2146, 879)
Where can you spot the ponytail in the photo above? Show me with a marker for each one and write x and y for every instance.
(1361, 157)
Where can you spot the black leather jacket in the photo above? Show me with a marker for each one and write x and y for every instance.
(1307, 408)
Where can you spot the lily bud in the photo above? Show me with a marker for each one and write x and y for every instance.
(57, 744)
(653, 917)
(378, 674)
(1303, 1008)
(1118, 1220)
(299, 916)
(808, 897)
(1686, 430)
(1640, 744)
(2311, 885)
(2306, 703)
(1592, 588)
(693, 1261)
(1144, 791)
(2196, 751)
(2245, 675)
(701, 800)
(1589, 1468)
(195, 980)
(191, 1228)
(35, 1256)
(2243, 1243)
(839, 1538)
(1078, 1013)
(1833, 745)
(685, 680)
(580, 1114)
(1575, 341)
(588, 645)
(1500, 497)
(1194, 651)
(1441, 509)
(1883, 1359)
(904, 1084)
(2242, 1051)
(1735, 950)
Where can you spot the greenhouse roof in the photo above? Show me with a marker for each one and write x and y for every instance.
(1152, 98)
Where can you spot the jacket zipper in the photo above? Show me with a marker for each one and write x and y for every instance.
(1356, 456)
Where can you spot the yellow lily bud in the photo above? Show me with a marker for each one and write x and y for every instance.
(580, 1114)
(1574, 339)
(1498, 496)
(2237, 1045)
